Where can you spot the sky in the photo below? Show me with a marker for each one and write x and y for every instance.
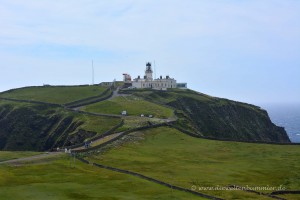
(242, 50)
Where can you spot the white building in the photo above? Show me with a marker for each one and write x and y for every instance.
(157, 84)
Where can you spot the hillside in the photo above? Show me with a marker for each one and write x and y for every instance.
(39, 118)
(169, 155)
(54, 94)
(25, 126)
(53, 178)
(135, 157)
(135, 106)
(216, 118)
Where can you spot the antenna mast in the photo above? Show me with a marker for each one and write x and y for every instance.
(92, 72)
(154, 70)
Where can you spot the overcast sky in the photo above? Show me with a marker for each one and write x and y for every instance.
(243, 50)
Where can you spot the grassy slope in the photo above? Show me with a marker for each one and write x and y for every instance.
(97, 124)
(54, 94)
(135, 122)
(133, 105)
(55, 179)
(217, 117)
(32, 124)
(165, 97)
(176, 158)
(10, 155)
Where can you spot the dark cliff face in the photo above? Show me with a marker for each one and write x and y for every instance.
(230, 120)
(219, 118)
(35, 128)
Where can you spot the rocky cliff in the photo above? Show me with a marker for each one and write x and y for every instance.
(218, 118)
(37, 127)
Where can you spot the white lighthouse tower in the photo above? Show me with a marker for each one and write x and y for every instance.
(157, 84)
(148, 72)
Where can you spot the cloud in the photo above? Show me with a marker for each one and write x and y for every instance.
(215, 41)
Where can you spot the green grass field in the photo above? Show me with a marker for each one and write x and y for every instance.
(135, 106)
(164, 97)
(54, 94)
(97, 123)
(10, 155)
(174, 157)
(135, 122)
(54, 179)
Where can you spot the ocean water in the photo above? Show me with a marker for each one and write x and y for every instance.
(287, 116)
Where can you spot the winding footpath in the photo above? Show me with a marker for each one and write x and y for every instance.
(32, 158)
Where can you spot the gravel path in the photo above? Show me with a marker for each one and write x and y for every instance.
(32, 158)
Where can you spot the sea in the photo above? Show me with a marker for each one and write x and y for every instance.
(287, 116)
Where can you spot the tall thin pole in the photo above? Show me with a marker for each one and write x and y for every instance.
(92, 72)
(154, 70)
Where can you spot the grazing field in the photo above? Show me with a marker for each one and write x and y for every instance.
(10, 155)
(97, 124)
(135, 106)
(164, 97)
(54, 94)
(56, 179)
(135, 122)
(290, 196)
(169, 155)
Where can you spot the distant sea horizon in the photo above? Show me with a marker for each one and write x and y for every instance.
(287, 116)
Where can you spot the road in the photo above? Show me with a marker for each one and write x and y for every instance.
(33, 158)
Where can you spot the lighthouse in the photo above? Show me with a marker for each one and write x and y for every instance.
(162, 83)
(148, 72)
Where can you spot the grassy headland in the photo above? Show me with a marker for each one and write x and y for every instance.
(176, 158)
(54, 94)
(216, 117)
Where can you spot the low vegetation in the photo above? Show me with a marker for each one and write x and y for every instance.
(134, 106)
(54, 94)
(10, 155)
(171, 156)
(56, 179)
